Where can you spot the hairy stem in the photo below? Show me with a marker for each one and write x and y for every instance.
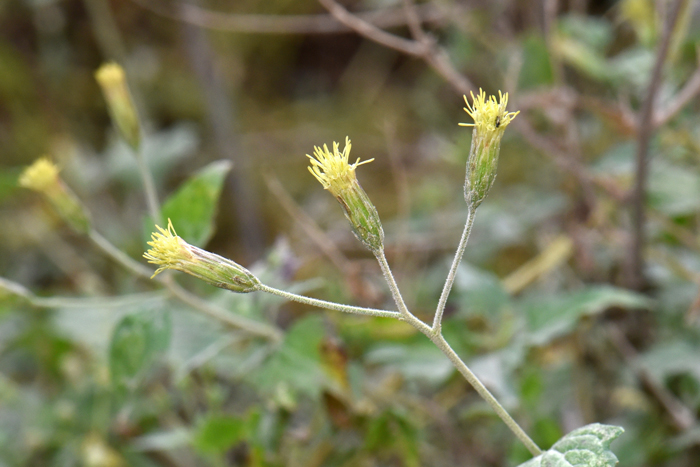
(435, 335)
(148, 186)
(175, 290)
(396, 294)
(330, 305)
(485, 394)
(437, 321)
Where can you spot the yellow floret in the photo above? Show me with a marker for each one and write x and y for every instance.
(489, 114)
(40, 176)
(167, 249)
(332, 169)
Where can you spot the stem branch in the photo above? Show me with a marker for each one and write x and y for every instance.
(330, 305)
(437, 321)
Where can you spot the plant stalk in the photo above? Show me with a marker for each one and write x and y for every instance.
(437, 320)
(330, 305)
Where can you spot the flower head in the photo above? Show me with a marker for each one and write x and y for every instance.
(169, 251)
(332, 169)
(112, 80)
(41, 176)
(338, 176)
(490, 122)
(489, 114)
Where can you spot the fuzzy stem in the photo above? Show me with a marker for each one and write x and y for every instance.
(437, 321)
(435, 335)
(396, 293)
(175, 290)
(330, 305)
(148, 186)
(485, 394)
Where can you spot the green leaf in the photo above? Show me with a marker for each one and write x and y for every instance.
(548, 320)
(218, 433)
(537, 66)
(588, 446)
(297, 364)
(420, 360)
(136, 342)
(193, 206)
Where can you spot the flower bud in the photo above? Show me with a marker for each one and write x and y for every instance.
(42, 176)
(338, 177)
(171, 252)
(490, 122)
(112, 80)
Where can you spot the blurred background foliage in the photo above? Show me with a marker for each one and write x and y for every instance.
(110, 372)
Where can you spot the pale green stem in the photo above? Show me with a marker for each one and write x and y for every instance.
(72, 302)
(330, 305)
(251, 326)
(502, 413)
(435, 335)
(213, 311)
(118, 255)
(437, 320)
(396, 293)
(148, 186)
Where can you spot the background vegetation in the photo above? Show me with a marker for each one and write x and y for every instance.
(553, 307)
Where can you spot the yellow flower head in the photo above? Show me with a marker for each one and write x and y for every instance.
(110, 75)
(167, 249)
(490, 121)
(332, 169)
(490, 114)
(40, 176)
(112, 80)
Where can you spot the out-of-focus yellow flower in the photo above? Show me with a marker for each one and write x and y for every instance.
(42, 176)
(490, 122)
(169, 251)
(338, 177)
(112, 80)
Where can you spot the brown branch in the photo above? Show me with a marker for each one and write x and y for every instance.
(372, 32)
(681, 416)
(645, 128)
(680, 100)
(285, 24)
(307, 224)
(427, 49)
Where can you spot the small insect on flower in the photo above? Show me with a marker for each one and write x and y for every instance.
(490, 121)
(485, 111)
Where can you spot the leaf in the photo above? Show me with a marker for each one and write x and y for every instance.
(217, 433)
(193, 206)
(548, 320)
(297, 363)
(417, 361)
(136, 341)
(537, 66)
(672, 358)
(588, 446)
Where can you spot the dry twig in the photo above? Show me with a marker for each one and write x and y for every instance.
(645, 128)
(285, 24)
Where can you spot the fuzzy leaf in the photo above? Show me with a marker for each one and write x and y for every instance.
(193, 206)
(588, 446)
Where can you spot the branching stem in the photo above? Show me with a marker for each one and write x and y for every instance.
(330, 305)
(437, 321)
